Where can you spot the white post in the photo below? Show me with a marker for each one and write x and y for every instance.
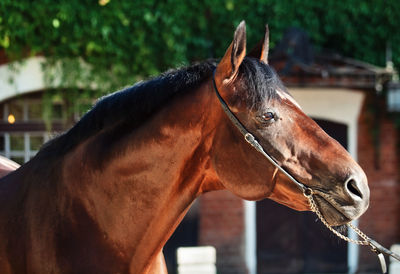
(250, 236)
(352, 250)
(394, 267)
(197, 260)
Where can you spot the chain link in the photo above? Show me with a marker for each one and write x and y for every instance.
(308, 192)
(315, 209)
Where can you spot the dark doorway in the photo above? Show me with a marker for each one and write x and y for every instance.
(186, 234)
(296, 242)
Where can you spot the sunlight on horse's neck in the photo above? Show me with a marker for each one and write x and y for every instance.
(137, 201)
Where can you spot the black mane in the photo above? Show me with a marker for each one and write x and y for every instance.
(130, 107)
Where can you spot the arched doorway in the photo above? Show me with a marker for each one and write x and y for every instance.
(296, 242)
(338, 105)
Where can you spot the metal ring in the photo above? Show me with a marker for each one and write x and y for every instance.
(308, 192)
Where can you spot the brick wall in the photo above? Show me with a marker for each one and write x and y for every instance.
(382, 219)
(221, 225)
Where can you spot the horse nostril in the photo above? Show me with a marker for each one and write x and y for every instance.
(351, 186)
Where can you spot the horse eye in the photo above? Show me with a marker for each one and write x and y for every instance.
(268, 116)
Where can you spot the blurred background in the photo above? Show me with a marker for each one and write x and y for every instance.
(339, 59)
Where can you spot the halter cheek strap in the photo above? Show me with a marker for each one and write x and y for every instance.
(252, 140)
(307, 191)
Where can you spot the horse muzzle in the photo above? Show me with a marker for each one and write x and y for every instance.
(345, 204)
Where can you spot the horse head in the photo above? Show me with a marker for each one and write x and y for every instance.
(256, 96)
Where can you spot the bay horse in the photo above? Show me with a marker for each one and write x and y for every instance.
(105, 196)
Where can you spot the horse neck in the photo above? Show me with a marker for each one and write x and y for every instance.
(141, 191)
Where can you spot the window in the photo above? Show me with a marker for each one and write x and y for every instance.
(36, 142)
(57, 111)
(35, 110)
(28, 112)
(22, 146)
(1, 112)
(2, 145)
(16, 109)
(17, 142)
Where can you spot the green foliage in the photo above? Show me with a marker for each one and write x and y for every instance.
(123, 41)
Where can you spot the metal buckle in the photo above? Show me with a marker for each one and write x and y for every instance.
(249, 138)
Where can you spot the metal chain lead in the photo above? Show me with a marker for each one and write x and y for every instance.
(376, 247)
(315, 209)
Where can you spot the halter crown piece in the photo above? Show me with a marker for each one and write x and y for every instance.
(307, 191)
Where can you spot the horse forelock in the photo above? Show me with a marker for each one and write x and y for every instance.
(260, 82)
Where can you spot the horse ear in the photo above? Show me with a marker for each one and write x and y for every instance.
(234, 55)
(260, 51)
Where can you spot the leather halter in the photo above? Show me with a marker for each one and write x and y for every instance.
(253, 141)
(307, 191)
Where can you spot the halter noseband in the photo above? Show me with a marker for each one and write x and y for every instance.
(307, 191)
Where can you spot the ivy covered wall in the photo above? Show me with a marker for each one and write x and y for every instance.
(128, 40)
